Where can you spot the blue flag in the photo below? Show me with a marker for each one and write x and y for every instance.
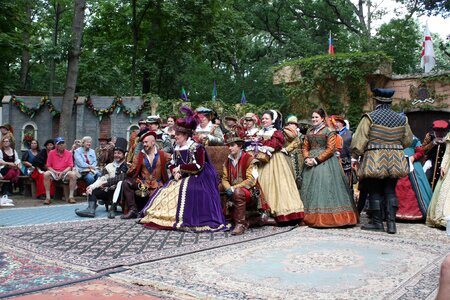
(243, 99)
(214, 92)
(183, 94)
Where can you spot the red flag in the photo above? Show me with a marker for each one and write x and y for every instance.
(330, 45)
(427, 62)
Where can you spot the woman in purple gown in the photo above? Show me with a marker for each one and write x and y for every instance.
(191, 200)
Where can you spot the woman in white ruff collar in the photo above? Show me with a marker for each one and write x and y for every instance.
(275, 176)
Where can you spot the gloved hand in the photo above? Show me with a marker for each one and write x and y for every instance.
(437, 140)
(229, 192)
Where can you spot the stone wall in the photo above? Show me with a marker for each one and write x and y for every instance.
(410, 88)
(413, 91)
(84, 120)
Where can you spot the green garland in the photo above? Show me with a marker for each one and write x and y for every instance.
(328, 78)
(117, 103)
(31, 112)
(45, 101)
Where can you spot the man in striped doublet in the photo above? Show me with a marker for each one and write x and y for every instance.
(378, 145)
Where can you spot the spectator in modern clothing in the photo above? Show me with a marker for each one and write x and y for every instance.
(8, 132)
(40, 166)
(9, 165)
(29, 156)
(60, 165)
(86, 161)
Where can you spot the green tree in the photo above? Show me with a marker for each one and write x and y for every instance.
(12, 19)
(400, 39)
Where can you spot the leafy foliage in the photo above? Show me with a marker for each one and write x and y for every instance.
(158, 46)
(400, 39)
(325, 80)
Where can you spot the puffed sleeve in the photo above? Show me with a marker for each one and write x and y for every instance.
(360, 138)
(197, 163)
(216, 137)
(329, 150)
(408, 137)
(418, 153)
(276, 141)
(427, 143)
(445, 158)
(306, 147)
(225, 182)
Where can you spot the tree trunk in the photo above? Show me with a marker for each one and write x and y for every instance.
(72, 68)
(58, 12)
(25, 60)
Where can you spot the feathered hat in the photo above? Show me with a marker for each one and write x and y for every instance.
(188, 123)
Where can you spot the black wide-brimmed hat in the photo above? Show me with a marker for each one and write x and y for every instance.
(383, 95)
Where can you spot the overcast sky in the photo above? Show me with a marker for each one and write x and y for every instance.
(436, 24)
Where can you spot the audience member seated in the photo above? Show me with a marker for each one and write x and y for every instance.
(76, 144)
(8, 132)
(40, 166)
(59, 168)
(104, 152)
(28, 158)
(86, 161)
(104, 188)
(9, 166)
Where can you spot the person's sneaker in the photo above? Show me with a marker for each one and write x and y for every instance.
(72, 200)
(47, 202)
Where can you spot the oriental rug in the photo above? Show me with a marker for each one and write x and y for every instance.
(96, 289)
(20, 274)
(304, 263)
(105, 244)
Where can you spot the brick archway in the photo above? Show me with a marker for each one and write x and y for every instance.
(105, 126)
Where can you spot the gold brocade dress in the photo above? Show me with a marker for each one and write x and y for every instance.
(277, 180)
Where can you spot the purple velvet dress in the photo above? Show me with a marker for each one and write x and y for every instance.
(191, 203)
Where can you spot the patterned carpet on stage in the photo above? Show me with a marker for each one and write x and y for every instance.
(105, 244)
(304, 263)
(19, 274)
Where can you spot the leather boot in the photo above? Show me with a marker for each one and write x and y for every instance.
(391, 210)
(112, 211)
(132, 214)
(254, 219)
(128, 193)
(265, 219)
(377, 221)
(89, 212)
(238, 214)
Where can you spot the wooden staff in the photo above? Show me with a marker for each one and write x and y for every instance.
(435, 166)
